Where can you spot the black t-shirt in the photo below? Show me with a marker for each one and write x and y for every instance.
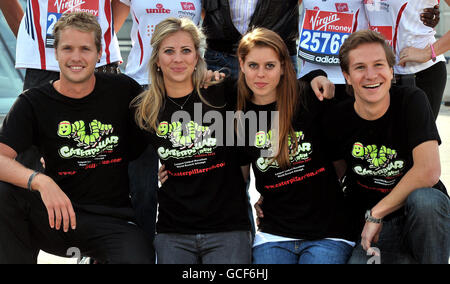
(85, 142)
(205, 191)
(305, 200)
(378, 153)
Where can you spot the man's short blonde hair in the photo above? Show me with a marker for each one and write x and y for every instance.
(82, 21)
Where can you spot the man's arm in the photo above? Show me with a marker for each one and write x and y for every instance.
(13, 13)
(58, 205)
(424, 173)
(120, 13)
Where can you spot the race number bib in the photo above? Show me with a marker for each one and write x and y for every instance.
(323, 34)
(58, 7)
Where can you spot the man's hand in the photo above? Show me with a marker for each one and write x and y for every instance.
(322, 87)
(59, 207)
(430, 16)
(369, 235)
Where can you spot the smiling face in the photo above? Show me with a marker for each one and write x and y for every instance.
(77, 56)
(177, 58)
(369, 74)
(262, 71)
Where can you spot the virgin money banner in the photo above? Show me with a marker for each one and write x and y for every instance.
(322, 35)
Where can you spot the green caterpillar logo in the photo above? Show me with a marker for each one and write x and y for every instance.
(299, 150)
(174, 131)
(77, 131)
(376, 157)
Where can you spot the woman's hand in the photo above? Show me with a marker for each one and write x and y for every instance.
(259, 211)
(412, 54)
(162, 174)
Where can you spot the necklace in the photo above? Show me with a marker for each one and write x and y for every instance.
(181, 106)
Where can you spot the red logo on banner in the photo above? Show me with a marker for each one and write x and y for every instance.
(342, 7)
(328, 21)
(159, 10)
(385, 31)
(188, 6)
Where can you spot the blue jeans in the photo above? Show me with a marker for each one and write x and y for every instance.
(321, 251)
(420, 235)
(216, 60)
(214, 248)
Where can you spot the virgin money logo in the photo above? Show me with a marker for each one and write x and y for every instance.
(188, 6)
(159, 10)
(342, 7)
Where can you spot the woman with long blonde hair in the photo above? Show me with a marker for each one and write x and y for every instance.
(202, 206)
(302, 217)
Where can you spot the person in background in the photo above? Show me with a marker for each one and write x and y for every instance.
(35, 43)
(399, 23)
(225, 22)
(319, 44)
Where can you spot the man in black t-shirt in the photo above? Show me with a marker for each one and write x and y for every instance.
(389, 142)
(82, 125)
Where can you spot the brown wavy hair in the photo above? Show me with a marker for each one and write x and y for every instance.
(287, 92)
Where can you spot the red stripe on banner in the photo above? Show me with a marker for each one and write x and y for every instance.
(141, 45)
(400, 13)
(107, 36)
(356, 21)
(37, 25)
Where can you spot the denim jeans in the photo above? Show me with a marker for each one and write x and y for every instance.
(421, 234)
(217, 60)
(213, 248)
(321, 251)
(143, 174)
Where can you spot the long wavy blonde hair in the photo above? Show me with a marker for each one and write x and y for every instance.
(149, 104)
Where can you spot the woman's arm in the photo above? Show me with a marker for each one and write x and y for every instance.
(412, 54)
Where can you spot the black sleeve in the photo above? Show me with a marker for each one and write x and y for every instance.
(138, 137)
(230, 86)
(332, 137)
(419, 119)
(19, 130)
(311, 75)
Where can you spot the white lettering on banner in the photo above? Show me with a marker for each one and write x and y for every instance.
(323, 21)
(63, 5)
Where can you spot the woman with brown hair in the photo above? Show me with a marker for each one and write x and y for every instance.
(303, 220)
